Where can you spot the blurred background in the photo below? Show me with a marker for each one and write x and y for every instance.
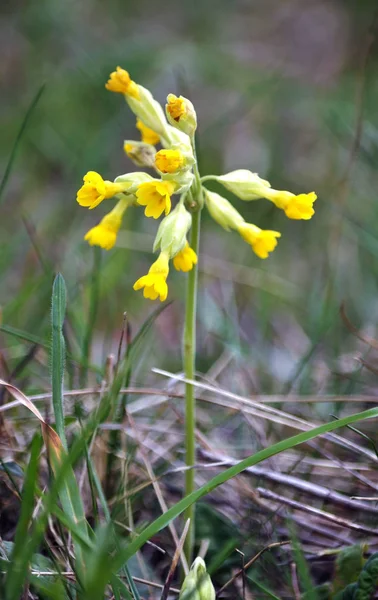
(285, 88)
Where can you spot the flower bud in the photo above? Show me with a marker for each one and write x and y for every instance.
(244, 184)
(142, 154)
(181, 114)
(197, 584)
(171, 235)
(222, 211)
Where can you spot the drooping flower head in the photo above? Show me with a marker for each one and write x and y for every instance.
(105, 233)
(185, 260)
(154, 284)
(295, 207)
(262, 241)
(156, 197)
(95, 190)
(121, 82)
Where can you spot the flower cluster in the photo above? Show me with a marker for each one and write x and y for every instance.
(176, 173)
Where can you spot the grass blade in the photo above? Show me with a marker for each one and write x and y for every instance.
(17, 575)
(180, 507)
(58, 309)
(21, 131)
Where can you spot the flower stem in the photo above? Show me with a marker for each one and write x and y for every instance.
(189, 368)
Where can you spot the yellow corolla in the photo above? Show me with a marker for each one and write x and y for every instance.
(105, 233)
(154, 284)
(156, 197)
(95, 190)
(262, 241)
(184, 260)
(169, 161)
(121, 82)
(175, 107)
(295, 207)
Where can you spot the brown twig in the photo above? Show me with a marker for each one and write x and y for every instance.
(176, 556)
(250, 562)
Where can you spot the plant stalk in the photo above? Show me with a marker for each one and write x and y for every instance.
(190, 369)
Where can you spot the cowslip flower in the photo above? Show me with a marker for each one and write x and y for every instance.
(181, 114)
(95, 190)
(249, 186)
(105, 233)
(121, 82)
(156, 197)
(295, 206)
(185, 259)
(154, 284)
(149, 136)
(262, 241)
(169, 161)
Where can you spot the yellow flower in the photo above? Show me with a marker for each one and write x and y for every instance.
(156, 197)
(105, 233)
(154, 283)
(262, 241)
(95, 190)
(295, 207)
(120, 81)
(149, 136)
(175, 107)
(184, 260)
(169, 161)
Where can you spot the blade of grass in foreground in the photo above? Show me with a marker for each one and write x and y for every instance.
(18, 570)
(21, 131)
(58, 352)
(179, 508)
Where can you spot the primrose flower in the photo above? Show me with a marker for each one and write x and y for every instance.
(105, 233)
(295, 207)
(154, 284)
(262, 241)
(181, 114)
(249, 186)
(155, 195)
(169, 161)
(95, 190)
(121, 82)
(186, 259)
(149, 136)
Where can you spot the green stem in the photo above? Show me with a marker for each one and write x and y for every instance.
(189, 368)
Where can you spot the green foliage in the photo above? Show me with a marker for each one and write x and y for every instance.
(348, 565)
(366, 584)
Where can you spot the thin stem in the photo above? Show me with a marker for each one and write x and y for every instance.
(189, 368)
(190, 357)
